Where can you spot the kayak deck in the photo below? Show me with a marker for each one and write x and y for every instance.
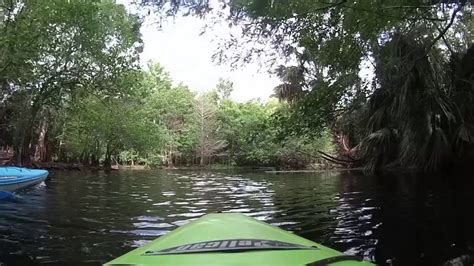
(15, 178)
(233, 239)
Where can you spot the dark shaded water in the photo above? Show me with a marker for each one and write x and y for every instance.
(88, 219)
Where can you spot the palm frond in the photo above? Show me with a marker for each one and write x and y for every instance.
(379, 148)
(464, 133)
(437, 150)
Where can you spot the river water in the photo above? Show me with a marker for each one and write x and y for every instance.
(78, 218)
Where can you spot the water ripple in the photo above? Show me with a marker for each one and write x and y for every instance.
(96, 217)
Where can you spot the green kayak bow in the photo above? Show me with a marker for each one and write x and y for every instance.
(234, 239)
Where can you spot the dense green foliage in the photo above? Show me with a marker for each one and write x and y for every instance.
(412, 112)
(52, 53)
(390, 81)
(254, 136)
(72, 91)
(210, 128)
(161, 124)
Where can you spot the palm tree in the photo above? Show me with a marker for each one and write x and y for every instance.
(420, 115)
(291, 88)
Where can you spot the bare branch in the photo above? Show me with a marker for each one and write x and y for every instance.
(445, 40)
(443, 32)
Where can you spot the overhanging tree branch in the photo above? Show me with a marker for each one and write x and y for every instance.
(448, 26)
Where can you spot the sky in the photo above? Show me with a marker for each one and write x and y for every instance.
(186, 54)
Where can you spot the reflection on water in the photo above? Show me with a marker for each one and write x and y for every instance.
(86, 218)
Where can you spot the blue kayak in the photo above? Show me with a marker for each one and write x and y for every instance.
(16, 178)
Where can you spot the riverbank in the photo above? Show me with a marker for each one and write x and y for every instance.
(267, 169)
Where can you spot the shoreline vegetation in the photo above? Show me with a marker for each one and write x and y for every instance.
(159, 125)
(138, 167)
(74, 92)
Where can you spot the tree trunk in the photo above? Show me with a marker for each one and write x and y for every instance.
(342, 141)
(94, 161)
(107, 159)
(169, 158)
(22, 151)
(41, 152)
(107, 162)
(85, 158)
(201, 161)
